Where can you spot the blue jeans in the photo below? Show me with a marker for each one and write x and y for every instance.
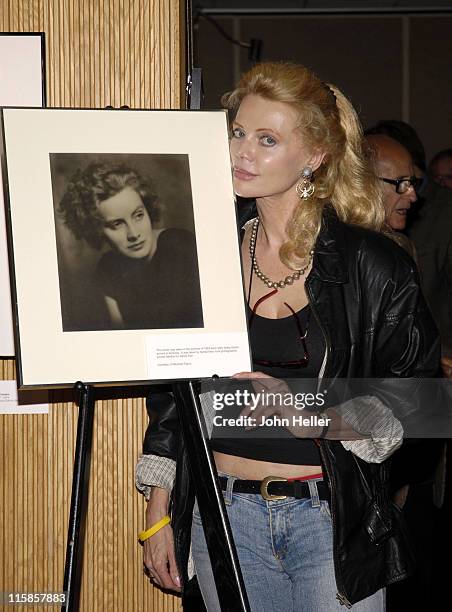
(285, 549)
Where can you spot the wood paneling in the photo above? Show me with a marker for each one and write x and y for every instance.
(98, 52)
(102, 52)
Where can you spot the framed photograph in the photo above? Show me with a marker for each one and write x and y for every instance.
(22, 83)
(125, 256)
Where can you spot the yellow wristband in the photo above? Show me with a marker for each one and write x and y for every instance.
(144, 535)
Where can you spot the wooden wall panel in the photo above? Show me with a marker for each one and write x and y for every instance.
(98, 52)
(102, 52)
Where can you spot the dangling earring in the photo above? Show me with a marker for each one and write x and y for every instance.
(305, 187)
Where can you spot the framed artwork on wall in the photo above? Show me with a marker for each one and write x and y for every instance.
(125, 259)
(22, 83)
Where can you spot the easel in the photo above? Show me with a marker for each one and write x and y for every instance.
(220, 543)
(79, 497)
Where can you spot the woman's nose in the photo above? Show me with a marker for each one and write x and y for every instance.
(245, 149)
(133, 232)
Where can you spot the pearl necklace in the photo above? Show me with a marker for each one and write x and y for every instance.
(289, 280)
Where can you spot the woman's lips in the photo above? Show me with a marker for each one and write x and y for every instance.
(137, 246)
(243, 175)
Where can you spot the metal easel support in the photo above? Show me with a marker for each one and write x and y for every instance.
(220, 543)
(79, 498)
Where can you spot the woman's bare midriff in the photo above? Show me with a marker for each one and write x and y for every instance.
(251, 469)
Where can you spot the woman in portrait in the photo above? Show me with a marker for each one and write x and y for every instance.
(328, 297)
(148, 277)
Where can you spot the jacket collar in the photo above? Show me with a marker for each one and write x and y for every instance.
(330, 251)
(329, 263)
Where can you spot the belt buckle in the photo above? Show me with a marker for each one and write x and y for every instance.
(264, 488)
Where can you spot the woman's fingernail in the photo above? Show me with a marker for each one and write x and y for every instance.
(177, 580)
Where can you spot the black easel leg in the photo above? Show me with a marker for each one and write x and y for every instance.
(220, 543)
(79, 499)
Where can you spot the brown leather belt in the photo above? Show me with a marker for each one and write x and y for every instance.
(275, 487)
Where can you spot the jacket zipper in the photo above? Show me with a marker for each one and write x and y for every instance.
(340, 596)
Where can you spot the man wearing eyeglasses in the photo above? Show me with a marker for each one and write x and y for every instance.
(414, 465)
(429, 228)
(394, 167)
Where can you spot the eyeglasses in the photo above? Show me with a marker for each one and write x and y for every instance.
(296, 363)
(403, 183)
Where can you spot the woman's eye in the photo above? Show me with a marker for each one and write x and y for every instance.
(268, 141)
(237, 132)
(114, 225)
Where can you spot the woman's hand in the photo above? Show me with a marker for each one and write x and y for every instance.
(273, 389)
(300, 422)
(158, 551)
(263, 383)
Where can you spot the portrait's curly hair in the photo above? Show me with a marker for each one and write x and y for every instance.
(97, 182)
(327, 122)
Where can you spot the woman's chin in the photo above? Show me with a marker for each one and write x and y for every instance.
(243, 192)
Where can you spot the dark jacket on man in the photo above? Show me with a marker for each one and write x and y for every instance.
(431, 231)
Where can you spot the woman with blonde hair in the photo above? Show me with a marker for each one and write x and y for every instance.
(328, 297)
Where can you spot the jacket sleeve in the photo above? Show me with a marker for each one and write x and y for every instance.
(407, 340)
(162, 433)
(407, 350)
(154, 471)
(156, 467)
(369, 416)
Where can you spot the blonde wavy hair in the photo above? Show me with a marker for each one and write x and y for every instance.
(327, 122)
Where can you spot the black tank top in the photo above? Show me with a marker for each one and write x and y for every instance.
(278, 340)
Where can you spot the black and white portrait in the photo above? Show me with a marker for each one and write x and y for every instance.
(126, 244)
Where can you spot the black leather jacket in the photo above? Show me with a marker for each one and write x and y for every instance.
(363, 289)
